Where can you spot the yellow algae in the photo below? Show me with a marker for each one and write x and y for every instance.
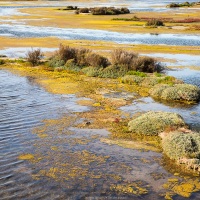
(26, 156)
(54, 148)
(130, 188)
(96, 104)
(40, 135)
(183, 188)
(130, 144)
(81, 141)
(84, 102)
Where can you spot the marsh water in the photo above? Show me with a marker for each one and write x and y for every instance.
(69, 163)
(73, 163)
(25, 31)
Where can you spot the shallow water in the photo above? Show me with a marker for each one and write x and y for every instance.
(177, 60)
(182, 66)
(20, 52)
(25, 31)
(64, 150)
(187, 75)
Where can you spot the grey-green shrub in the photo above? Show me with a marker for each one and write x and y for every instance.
(177, 145)
(177, 92)
(55, 62)
(112, 72)
(132, 79)
(155, 22)
(91, 71)
(152, 123)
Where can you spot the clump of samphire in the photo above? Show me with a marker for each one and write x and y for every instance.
(152, 123)
(184, 147)
(177, 92)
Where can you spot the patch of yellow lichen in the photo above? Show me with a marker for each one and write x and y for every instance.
(183, 188)
(130, 188)
(26, 156)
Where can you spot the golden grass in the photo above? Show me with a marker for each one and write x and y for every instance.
(102, 47)
(67, 19)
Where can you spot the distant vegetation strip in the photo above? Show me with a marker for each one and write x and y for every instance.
(185, 4)
(166, 20)
(98, 10)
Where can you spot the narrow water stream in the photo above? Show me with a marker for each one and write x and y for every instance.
(26, 31)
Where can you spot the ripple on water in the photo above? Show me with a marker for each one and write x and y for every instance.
(22, 106)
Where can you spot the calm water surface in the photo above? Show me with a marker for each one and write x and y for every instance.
(23, 106)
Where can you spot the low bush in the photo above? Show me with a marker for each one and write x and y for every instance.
(96, 60)
(112, 71)
(152, 123)
(34, 56)
(108, 72)
(147, 64)
(185, 4)
(180, 145)
(177, 92)
(147, 80)
(84, 10)
(91, 71)
(81, 57)
(55, 62)
(72, 66)
(137, 73)
(69, 8)
(132, 79)
(65, 53)
(123, 58)
(134, 18)
(109, 11)
(2, 62)
(154, 22)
